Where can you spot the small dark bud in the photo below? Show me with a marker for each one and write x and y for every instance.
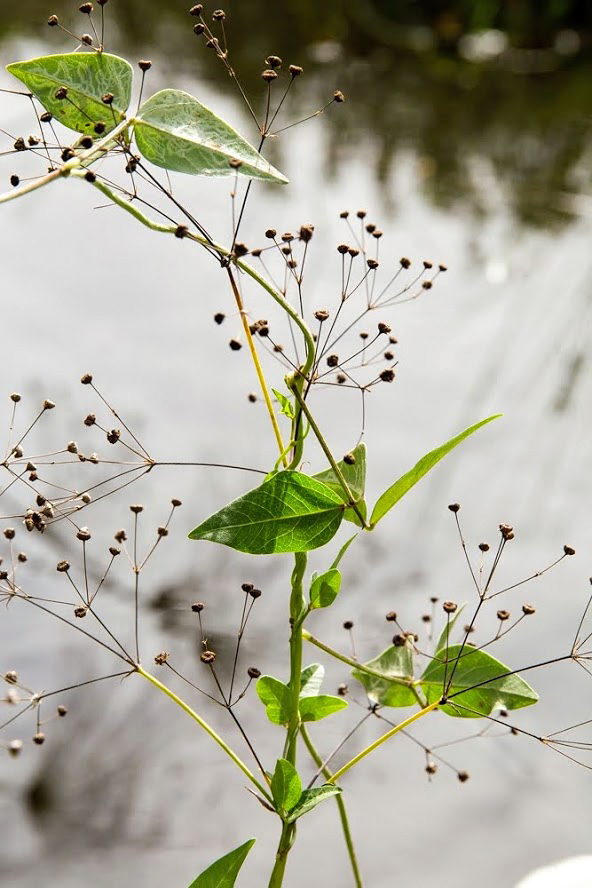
(463, 776)
(72, 447)
(86, 8)
(15, 397)
(3, 574)
(321, 315)
(255, 593)
(99, 128)
(67, 154)
(332, 360)
(427, 285)
(11, 677)
(181, 231)
(86, 39)
(361, 214)
(61, 93)
(383, 328)
(387, 375)
(404, 262)
(15, 181)
(144, 64)
(569, 550)
(33, 141)
(343, 249)
(247, 587)
(338, 96)
(240, 250)
(454, 507)
(218, 15)
(197, 9)
(426, 618)
(114, 551)
(198, 29)
(62, 710)
(342, 690)
(63, 566)
(235, 345)
(349, 459)
(273, 61)
(107, 98)
(86, 498)
(90, 419)
(268, 75)
(252, 397)
(136, 509)
(372, 263)
(176, 503)
(208, 657)
(348, 624)
(160, 659)
(503, 615)
(86, 379)
(449, 607)
(364, 335)
(80, 612)
(528, 609)
(377, 233)
(427, 264)
(431, 768)
(46, 117)
(256, 253)
(19, 144)
(507, 531)
(87, 142)
(388, 356)
(393, 340)
(219, 317)
(344, 214)
(52, 21)
(295, 70)
(306, 232)
(468, 629)
(113, 436)
(484, 547)
(197, 607)
(235, 163)
(253, 672)
(162, 531)
(271, 233)
(83, 534)
(399, 640)
(391, 617)
(9, 533)
(39, 738)
(211, 44)
(442, 268)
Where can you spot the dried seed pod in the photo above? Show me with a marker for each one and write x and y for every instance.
(449, 607)
(208, 657)
(197, 607)
(161, 658)
(503, 615)
(136, 509)
(144, 65)
(253, 672)
(454, 507)
(528, 609)
(83, 534)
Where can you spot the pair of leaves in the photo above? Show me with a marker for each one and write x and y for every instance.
(275, 696)
(290, 799)
(468, 667)
(223, 873)
(172, 129)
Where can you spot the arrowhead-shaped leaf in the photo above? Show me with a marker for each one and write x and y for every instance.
(396, 662)
(290, 512)
(316, 708)
(223, 873)
(310, 798)
(175, 131)
(275, 696)
(355, 475)
(480, 682)
(325, 588)
(286, 786)
(87, 76)
(407, 481)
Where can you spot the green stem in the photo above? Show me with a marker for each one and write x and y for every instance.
(320, 438)
(340, 804)
(405, 682)
(383, 739)
(209, 730)
(297, 613)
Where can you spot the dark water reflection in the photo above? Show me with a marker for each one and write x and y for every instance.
(482, 165)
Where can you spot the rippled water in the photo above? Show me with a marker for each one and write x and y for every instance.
(125, 792)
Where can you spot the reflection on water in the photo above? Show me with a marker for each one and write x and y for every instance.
(446, 154)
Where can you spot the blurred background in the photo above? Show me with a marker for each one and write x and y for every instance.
(467, 137)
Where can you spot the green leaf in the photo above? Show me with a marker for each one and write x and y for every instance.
(275, 696)
(287, 408)
(315, 708)
(289, 513)
(325, 589)
(396, 662)
(355, 475)
(310, 798)
(496, 688)
(311, 680)
(87, 76)
(342, 551)
(407, 481)
(223, 873)
(286, 786)
(175, 131)
(447, 630)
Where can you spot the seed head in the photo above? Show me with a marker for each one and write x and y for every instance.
(86, 8)
(15, 181)
(235, 345)
(196, 10)
(528, 609)
(569, 550)
(39, 738)
(72, 447)
(86, 39)
(52, 21)
(484, 547)
(387, 375)
(463, 776)
(342, 690)
(136, 509)
(349, 459)
(62, 710)
(113, 436)
(197, 607)
(268, 75)
(454, 507)
(11, 677)
(503, 615)
(391, 617)
(348, 624)
(431, 768)
(16, 397)
(15, 747)
(80, 612)
(295, 70)
(9, 533)
(161, 658)
(449, 607)
(114, 551)
(176, 503)
(219, 317)
(83, 534)
(208, 657)
(321, 315)
(218, 15)
(372, 264)
(338, 96)
(273, 61)
(253, 672)
(48, 405)
(162, 531)
(399, 640)
(144, 65)
(61, 93)
(63, 566)
(332, 360)
(90, 419)
(383, 328)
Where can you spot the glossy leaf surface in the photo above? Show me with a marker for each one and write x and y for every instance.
(286, 786)
(275, 696)
(88, 76)
(310, 798)
(290, 512)
(175, 131)
(325, 588)
(223, 873)
(496, 689)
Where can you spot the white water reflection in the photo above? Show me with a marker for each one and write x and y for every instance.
(507, 329)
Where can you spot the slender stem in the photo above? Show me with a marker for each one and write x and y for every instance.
(383, 739)
(209, 730)
(340, 804)
(338, 473)
(406, 682)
